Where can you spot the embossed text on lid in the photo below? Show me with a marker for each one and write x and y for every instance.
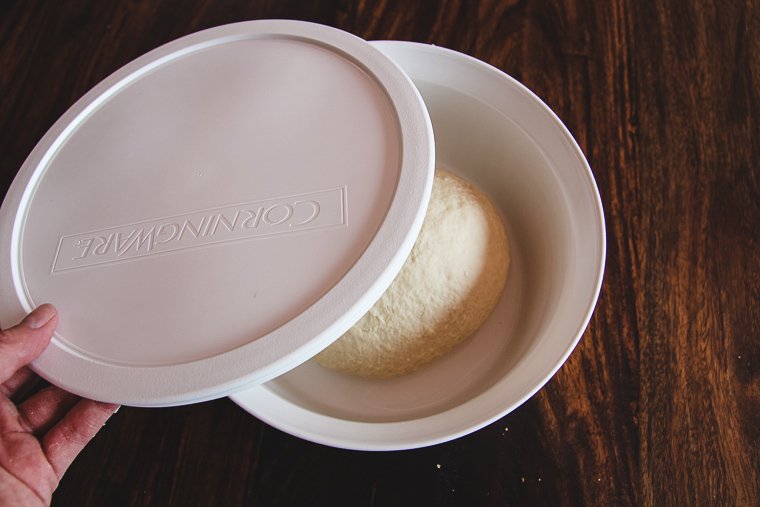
(253, 220)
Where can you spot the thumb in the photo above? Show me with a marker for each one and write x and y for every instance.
(21, 344)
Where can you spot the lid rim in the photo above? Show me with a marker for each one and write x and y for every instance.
(326, 318)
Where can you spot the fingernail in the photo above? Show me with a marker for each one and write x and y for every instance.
(40, 316)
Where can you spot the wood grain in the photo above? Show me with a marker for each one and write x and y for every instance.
(660, 402)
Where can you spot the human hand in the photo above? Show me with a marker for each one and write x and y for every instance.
(41, 436)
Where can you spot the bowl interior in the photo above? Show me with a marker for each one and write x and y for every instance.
(488, 149)
(491, 130)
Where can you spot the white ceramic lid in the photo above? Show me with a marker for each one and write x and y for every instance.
(217, 211)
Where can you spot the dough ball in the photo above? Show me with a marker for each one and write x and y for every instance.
(447, 288)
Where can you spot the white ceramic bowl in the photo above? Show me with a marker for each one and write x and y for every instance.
(495, 132)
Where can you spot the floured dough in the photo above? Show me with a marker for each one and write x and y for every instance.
(447, 288)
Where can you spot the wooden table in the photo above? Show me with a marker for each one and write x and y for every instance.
(660, 402)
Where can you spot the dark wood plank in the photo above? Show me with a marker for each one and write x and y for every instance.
(698, 259)
(660, 402)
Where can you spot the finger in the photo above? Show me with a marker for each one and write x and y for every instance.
(67, 438)
(10, 422)
(45, 408)
(21, 382)
(21, 344)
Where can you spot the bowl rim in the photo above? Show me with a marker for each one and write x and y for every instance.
(410, 434)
